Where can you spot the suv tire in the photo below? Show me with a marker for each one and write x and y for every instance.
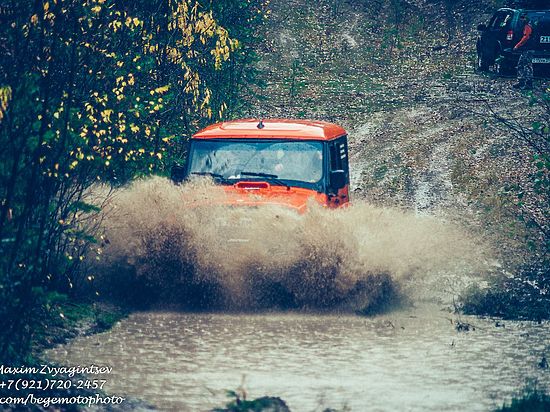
(482, 64)
(503, 68)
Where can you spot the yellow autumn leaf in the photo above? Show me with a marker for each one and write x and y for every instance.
(106, 115)
(162, 89)
(5, 97)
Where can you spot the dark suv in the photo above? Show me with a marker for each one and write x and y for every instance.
(497, 39)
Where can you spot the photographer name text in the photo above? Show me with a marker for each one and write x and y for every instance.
(56, 370)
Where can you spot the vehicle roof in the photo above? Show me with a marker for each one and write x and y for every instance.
(519, 11)
(273, 128)
(511, 9)
(534, 11)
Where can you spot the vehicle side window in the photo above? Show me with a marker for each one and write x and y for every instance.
(502, 20)
(343, 153)
(334, 159)
(507, 20)
(339, 154)
(492, 21)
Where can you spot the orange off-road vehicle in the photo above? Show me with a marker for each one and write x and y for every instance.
(283, 162)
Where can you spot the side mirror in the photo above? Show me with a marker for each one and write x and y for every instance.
(177, 173)
(337, 179)
(481, 27)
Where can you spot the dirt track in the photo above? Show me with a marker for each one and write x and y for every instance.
(421, 134)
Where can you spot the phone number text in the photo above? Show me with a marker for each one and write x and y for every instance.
(47, 384)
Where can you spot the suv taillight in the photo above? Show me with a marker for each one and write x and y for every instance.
(510, 35)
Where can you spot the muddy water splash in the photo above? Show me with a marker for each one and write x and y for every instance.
(177, 244)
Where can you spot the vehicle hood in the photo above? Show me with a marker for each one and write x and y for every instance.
(255, 193)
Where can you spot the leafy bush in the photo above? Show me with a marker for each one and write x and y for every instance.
(530, 401)
(92, 91)
(264, 403)
(525, 296)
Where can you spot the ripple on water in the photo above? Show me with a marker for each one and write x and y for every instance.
(401, 361)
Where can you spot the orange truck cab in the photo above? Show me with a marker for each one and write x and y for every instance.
(278, 161)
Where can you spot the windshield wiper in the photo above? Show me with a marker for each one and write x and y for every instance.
(211, 174)
(270, 177)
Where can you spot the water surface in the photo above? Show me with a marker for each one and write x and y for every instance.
(407, 361)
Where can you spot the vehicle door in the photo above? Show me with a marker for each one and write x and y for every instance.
(496, 33)
(338, 159)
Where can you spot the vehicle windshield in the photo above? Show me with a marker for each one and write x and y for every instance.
(273, 160)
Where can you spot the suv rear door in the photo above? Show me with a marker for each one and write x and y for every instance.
(497, 30)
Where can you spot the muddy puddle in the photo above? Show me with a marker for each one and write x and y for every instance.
(406, 361)
(280, 291)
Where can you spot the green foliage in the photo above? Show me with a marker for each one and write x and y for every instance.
(525, 296)
(257, 405)
(533, 196)
(528, 192)
(295, 80)
(95, 91)
(232, 84)
(530, 401)
(65, 316)
(84, 207)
